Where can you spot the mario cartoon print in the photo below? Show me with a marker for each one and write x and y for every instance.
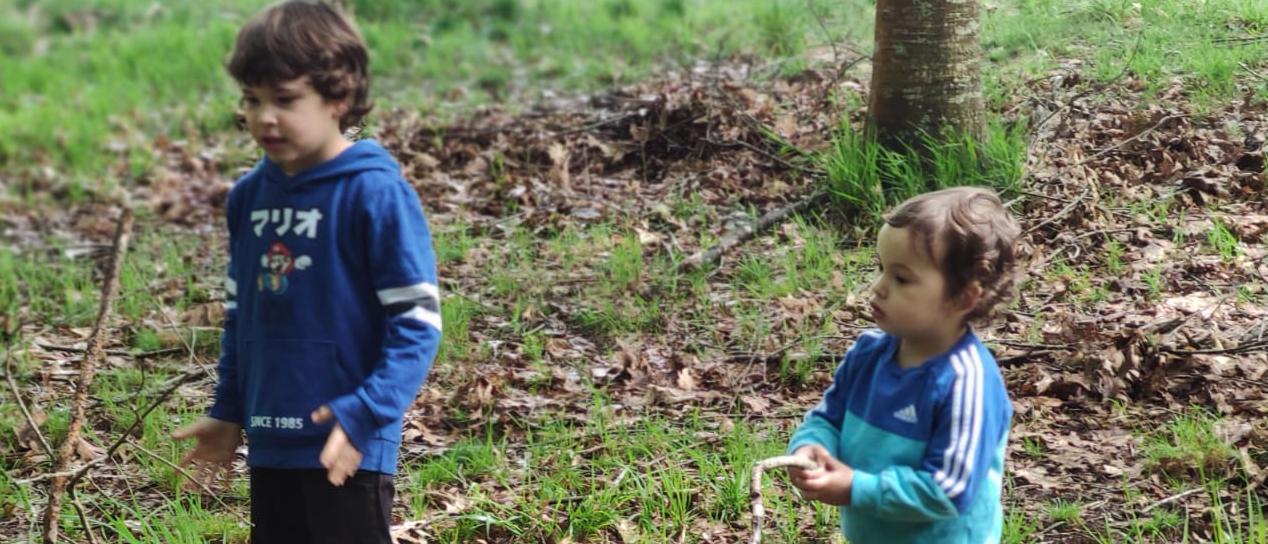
(278, 263)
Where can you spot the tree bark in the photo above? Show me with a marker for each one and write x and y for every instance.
(926, 74)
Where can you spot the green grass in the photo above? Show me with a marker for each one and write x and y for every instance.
(48, 286)
(1017, 528)
(1188, 445)
(1223, 241)
(1069, 512)
(90, 99)
(867, 179)
(584, 479)
(1024, 38)
(180, 521)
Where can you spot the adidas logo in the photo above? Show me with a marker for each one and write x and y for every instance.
(907, 414)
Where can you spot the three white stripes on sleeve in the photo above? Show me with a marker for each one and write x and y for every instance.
(966, 423)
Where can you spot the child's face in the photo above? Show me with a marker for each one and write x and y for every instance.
(297, 127)
(908, 297)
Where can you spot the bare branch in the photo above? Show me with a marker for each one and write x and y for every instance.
(755, 486)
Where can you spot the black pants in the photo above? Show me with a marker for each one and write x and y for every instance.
(299, 506)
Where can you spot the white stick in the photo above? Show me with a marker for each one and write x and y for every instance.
(755, 486)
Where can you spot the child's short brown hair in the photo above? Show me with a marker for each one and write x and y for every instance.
(305, 38)
(971, 236)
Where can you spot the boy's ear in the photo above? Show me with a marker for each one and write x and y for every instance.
(969, 297)
(338, 107)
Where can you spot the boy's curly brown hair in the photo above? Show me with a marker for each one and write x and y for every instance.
(971, 236)
(306, 38)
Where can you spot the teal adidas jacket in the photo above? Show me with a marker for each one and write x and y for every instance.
(927, 444)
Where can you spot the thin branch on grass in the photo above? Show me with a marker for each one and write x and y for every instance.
(83, 518)
(1064, 211)
(1138, 136)
(184, 472)
(1027, 345)
(747, 232)
(755, 486)
(1258, 75)
(1244, 348)
(1171, 499)
(1241, 39)
(17, 396)
(1098, 87)
(176, 329)
(116, 352)
(776, 358)
(88, 367)
(741, 143)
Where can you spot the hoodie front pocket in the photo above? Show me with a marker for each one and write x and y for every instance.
(286, 381)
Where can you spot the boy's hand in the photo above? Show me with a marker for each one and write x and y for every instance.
(830, 483)
(340, 457)
(215, 442)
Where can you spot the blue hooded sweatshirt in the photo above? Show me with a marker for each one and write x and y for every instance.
(331, 299)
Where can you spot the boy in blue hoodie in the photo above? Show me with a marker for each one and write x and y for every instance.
(910, 437)
(332, 308)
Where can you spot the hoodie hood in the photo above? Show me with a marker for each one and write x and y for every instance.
(361, 156)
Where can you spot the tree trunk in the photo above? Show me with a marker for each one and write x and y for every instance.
(926, 77)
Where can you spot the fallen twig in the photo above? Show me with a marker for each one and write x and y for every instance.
(755, 486)
(1241, 39)
(776, 358)
(17, 396)
(1171, 499)
(88, 367)
(184, 472)
(116, 352)
(1244, 348)
(1064, 211)
(1138, 136)
(747, 232)
(741, 143)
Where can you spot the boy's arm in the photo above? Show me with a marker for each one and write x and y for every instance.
(957, 462)
(822, 424)
(228, 402)
(403, 268)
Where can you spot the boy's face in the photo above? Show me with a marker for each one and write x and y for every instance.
(297, 127)
(908, 297)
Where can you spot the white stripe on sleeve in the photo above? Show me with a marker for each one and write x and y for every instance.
(426, 316)
(412, 292)
(976, 437)
(966, 418)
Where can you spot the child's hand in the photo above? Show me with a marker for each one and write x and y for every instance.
(215, 442)
(340, 457)
(830, 483)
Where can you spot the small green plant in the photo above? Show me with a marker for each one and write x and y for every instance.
(1033, 448)
(1114, 257)
(1153, 281)
(1188, 444)
(1017, 528)
(1064, 511)
(1224, 241)
(625, 266)
(454, 242)
(456, 313)
(1247, 294)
